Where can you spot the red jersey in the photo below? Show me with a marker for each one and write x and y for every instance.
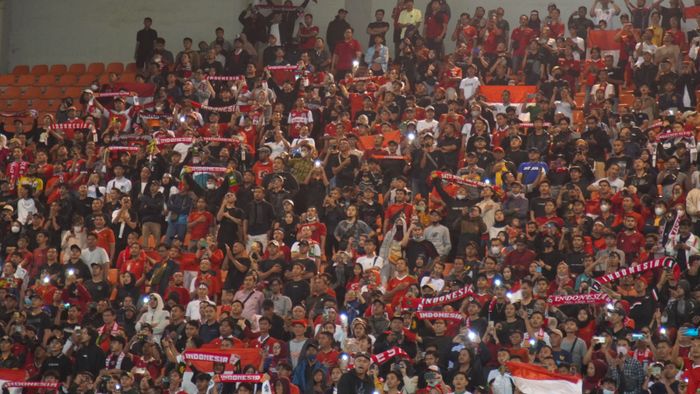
(435, 25)
(522, 38)
(308, 43)
(260, 170)
(201, 229)
(394, 283)
(346, 52)
(135, 266)
(298, 118)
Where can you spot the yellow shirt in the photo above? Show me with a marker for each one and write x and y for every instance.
(35, 183)
(657, 37)
(413, 17)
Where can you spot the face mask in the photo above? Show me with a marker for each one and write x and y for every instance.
(420, 208)
(621, 350)
(211, 186)
(475, 114)
(15, 229)
(606, 391)
(659, 211)
(77, 228)
(311, 357)
(495, 250)
(461, 196)
(604, 208)
(94, 88)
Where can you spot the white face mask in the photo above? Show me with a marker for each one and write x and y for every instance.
(622, 350)
(461, 196)
(15, 229)
(606, 391)
(604, 208)
(495, 250)
(211, 186)
(94, 88)
(659, 211)
(475, 114)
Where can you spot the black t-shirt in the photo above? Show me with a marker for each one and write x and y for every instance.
(228, 230)
(234, 279)
(377, 25)
(98, 290)
(41, 321)
(346, 176)
(297, 291)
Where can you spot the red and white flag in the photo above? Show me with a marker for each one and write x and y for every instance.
(10, 376)
(531, 379)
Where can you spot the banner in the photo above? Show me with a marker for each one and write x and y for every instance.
(20, 114)
(112, 94)
(605, 40)
(70, 126)
(575, 299)
(447, 298)
(691, 12)
(446, 176)
(385, 356)
(434, 315)
(33, 385)
(367, 141)
(123, 148)
(241, 378)
(680, 134)
(223, 140)
(518, 94)
(203, 358)
(174, 140)
(225, 77)
(389, 157)
(214, 170)
(666, 262)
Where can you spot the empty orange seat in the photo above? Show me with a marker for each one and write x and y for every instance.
(12, 92)
(73, 91)
(131, 68)
(104, 79)
(40, 105)
(115, 68)
(76, 69)
(577, 117)
(46, 80)
(86, 80)
(53, 92)
(17, 105)
(127, 77)
(96, 68)
(58, 69)
(7, 80)
(33, 92)
(21, 69)
(67, 80)
(25, 80)
(40, 69)
(52, 105)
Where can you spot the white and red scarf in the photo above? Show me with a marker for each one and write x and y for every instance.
(575, 299)
(446, 176)
(437, 315)
(385, 356)
(447, 298)
(666, 262)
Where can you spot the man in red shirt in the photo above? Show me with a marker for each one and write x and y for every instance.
(345, 54)
(436, 28)
(326, 354)
(307, 33)
(398, 285)
(630, 240)
(520, 38)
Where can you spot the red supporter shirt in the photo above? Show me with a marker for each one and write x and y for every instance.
(346, 52)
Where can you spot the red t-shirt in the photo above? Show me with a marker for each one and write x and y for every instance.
(308, 43)
(346, 52)
(434, 25)
(200, 230)
(394, 282)
(522, 36)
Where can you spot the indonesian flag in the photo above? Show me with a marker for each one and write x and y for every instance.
(691, 12)
(10, 376)
(605, 40)
(531, 379)
(144, 91)
(493, 95)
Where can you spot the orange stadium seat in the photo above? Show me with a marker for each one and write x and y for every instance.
(578, 117)
(12, 92)
(86, 79)
(25, 80)
(96, 68)
(127, 77)
(67, 80)
(46, 80)
(32, 92)
(115, 68)
(103, 79)
(40, 105)
(626, 99)
(58, 69)
(17, 105)
(52, 105)
(53, 92)
(76, 69)
(40, 69)
(73, 91)
(7, 80)
(21, 69)
(131, 68)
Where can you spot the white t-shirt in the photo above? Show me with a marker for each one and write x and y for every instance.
(606, 15)
(469, 86)
(99, 256)
(368, 262)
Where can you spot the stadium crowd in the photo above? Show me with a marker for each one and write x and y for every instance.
(357, 217)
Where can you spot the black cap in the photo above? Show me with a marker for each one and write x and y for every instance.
(363, 354)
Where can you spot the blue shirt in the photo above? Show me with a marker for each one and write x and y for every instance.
(531, 170)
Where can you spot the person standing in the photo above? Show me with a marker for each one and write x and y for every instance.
(145, 43)
(336, 29)
(378, 27)
(357, 381)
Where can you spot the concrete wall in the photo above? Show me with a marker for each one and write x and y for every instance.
(74, 31)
